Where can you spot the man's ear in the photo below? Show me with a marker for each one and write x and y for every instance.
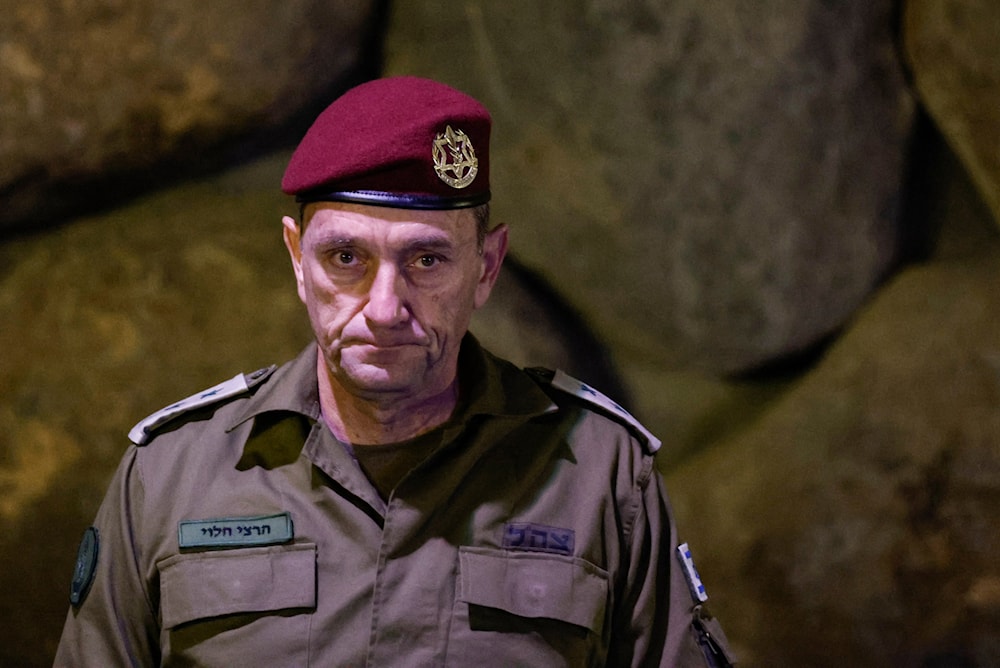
(494, 251)
(292, 234)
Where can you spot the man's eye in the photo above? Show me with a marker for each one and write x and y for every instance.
(345, 257)
(427, 261)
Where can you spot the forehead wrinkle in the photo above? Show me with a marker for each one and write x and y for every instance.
(392, 231)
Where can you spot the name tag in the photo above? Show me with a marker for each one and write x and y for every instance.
(236, 531)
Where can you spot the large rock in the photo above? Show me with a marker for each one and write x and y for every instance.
(96, 93)
(952, 50)
(113, 316)
(712, 187)
(858, 521)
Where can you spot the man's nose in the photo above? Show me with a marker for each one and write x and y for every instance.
(387, 296)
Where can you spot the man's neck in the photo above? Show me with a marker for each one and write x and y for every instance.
(380, 420)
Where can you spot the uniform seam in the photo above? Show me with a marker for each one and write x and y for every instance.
(638, 492)
(133, 531)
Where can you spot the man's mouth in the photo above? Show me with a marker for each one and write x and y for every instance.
(382, 346)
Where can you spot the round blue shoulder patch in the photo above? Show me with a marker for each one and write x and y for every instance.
(86, 566)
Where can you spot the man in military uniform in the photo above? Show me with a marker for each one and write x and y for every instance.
(396, 495)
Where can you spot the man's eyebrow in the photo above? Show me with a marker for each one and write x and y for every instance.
(431, 243)
(328, 240)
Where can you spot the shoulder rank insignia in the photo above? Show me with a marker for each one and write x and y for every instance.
(570, 385)
(238, 384)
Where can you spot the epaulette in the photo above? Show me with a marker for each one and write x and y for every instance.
(238, 384)
(604, 404)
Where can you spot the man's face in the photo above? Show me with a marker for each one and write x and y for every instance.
(390, 292)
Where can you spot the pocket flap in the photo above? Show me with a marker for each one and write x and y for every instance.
(535, 585)
(209, 584)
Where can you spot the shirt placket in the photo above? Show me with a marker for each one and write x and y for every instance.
(353, 496)
(414, 590)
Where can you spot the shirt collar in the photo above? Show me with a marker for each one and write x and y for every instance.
(292, 388)
(492, 386)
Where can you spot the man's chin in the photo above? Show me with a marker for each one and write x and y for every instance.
(381, 377)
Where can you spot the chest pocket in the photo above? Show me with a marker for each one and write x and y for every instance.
(238, 607)
(528, 608)
(211, 584)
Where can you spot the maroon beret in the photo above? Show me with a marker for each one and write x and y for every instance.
(404, 142)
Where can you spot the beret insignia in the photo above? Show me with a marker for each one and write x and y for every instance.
(455, 159)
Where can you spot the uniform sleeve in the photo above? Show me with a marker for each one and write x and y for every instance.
(115, 623)
(657, 622)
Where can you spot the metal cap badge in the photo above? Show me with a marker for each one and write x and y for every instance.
(454, 158)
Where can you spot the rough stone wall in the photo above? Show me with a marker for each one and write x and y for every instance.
(730, 166)
(98, 96)
(951, 48)
(693, 189)
(857, 521)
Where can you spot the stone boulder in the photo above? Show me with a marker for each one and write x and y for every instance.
(857, 522)
(711, 187)
(951, 49)
(103, 98)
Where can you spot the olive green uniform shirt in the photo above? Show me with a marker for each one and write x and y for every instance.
(536, 534)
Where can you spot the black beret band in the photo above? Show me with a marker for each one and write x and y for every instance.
(395, 200)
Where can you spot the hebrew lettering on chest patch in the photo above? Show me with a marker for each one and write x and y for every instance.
(538, 538)
(235, 531)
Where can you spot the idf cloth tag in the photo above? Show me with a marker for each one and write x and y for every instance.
(538, 538)
(698, 592)
(236, 531)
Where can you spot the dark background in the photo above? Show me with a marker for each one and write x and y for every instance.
(768, 228)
